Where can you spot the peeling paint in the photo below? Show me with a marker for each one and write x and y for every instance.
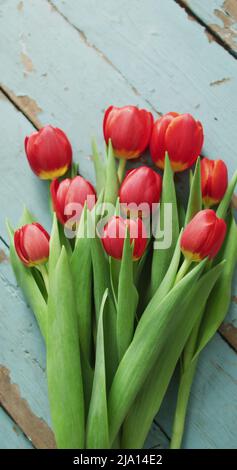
(228, 16)
(229, 332)
(209, 36)
(234, 201)
(35, 428)
(3, 256)
(27, 63)
(220, 82)
(25, 104)
(20, 6)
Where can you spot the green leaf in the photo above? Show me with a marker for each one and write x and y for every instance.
(97, 434)
(26, 218)
(153, 332)
(63, 360)
(99, 166)
(127, 300)
(219, 300)
(27, 283)
(195, 196)
(101, 281)
(81, 266)
(112, 183)
(224, 204)
(54, 247)
(161, 258)
(149, 398)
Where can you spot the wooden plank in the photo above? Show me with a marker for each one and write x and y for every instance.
(22, 351)
(195, 76)
(220, 16)
(18, 186)
(211, 419)
(11, 436)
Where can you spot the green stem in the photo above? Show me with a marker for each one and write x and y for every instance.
(182, 403)
(43, 270)
(183, 270)
(121, 169)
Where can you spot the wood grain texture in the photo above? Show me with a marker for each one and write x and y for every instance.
(220, 16)
(168, 59)
(36, 430)
(11, 436)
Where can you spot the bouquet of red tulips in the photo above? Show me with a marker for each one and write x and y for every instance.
(131, 281)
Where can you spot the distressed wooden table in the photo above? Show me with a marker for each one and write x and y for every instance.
(63, 62)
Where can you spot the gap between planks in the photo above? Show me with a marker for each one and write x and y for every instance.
(210, 31)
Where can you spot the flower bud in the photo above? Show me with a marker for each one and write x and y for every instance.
(179, 135)
(140, 189)
(70, 195)
(129, 129)
(214, 178)
(32, 244)
(49, 152)
(115, 233)
(203, 236)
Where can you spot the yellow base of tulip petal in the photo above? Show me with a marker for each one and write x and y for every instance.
(127, 155)
(32, 264)
(176, 166)
(192, 256)
(209, 202)
(52, 175)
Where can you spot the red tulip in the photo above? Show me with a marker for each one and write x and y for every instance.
(179, 135)
(141, 187)
(203, 236)
(71, 191)
(49, 152)
(214, 177)
(129, 129)
(115, 232)
(32, 244)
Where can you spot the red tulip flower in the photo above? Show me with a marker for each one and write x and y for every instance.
(141, 188)
(179, 135)
(203, 236)
(69, 193)
(49, 152)
(115, 233)
(214, 178)
(32, 244)
(129, 129)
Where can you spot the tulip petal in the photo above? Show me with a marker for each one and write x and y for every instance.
(219, 300)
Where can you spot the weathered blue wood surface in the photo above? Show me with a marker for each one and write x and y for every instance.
(220, 16)
(11, 436)
(93, 56)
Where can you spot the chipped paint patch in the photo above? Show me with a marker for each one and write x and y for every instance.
(209, 36)
(229, 332)
(228, 16)
(220, 82)
(20, 6)
(3, 256)
(234, 299)
(35, 428)
(27, 63)
(25, 104)
(234, 201)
